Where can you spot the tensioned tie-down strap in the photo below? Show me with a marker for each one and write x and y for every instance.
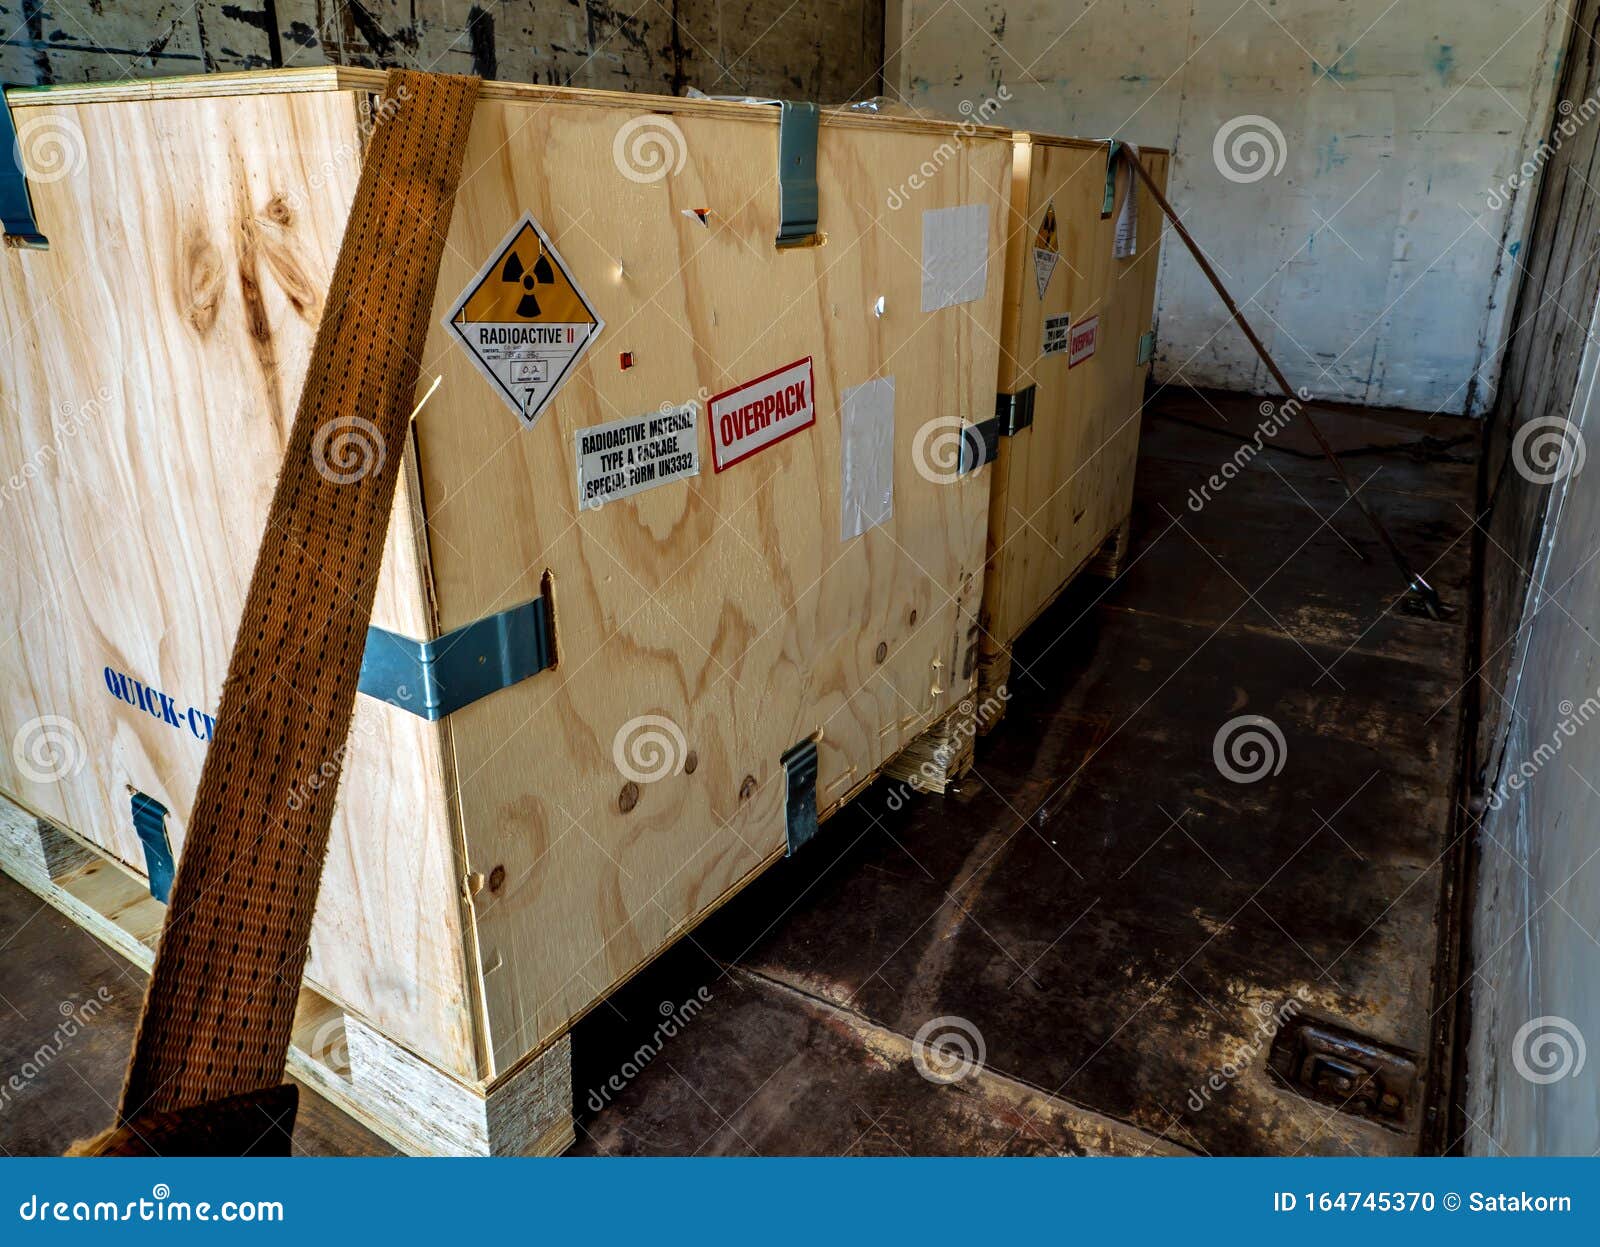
(221, 999)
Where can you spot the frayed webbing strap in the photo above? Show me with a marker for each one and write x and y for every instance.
(221, 999)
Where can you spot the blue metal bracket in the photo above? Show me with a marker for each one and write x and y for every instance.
(1147, 347)
(800, 801)
(150, 825)
(16, 202)
(1110, 204)
(797, 173)
(434, 678)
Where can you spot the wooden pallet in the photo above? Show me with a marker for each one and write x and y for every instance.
(415, 1106)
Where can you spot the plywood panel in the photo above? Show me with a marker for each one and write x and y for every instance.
(157, 350)
(727, 604)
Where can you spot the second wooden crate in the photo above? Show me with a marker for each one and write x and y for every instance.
(1075, 353)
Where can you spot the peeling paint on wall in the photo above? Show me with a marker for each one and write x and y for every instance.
(1372, 261)
(829, 52)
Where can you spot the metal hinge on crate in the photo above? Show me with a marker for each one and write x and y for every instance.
(16, 201)
(434, 678)
(800, 800)
(150, 825)
(1014, 412)
(1147, 347)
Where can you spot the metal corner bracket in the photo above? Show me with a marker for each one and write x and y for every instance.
(438, 677)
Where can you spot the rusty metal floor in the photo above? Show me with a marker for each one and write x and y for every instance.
(1116, 926)
(1110, 923)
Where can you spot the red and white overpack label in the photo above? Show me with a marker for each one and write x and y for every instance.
(1085, 340)
(759, 413)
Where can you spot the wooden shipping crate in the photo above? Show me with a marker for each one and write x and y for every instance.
(1072, 372)
(496, 871)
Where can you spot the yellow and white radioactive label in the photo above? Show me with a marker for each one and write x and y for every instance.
(525, 321)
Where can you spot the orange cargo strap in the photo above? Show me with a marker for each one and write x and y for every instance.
(221, 999)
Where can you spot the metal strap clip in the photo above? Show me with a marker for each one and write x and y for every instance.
(434, 678)
(980, 443)
(1110, 203)
(150, 825)
(16, 201)
(800, 801)
(797, 173)
(1147, 347)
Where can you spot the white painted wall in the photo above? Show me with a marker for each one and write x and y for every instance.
(1533, 1064)
(1372, 262)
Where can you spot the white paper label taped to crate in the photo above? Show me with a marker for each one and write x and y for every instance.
(1127, 236)
(955, 255)
(625, 457)
(1057, 334)
(524, 321)
(866, 457)
(1046, 249)
(761, 413)
(1085, 341)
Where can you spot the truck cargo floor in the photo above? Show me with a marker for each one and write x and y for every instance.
(1117, 928)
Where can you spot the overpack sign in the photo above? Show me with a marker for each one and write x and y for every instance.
(524, 320)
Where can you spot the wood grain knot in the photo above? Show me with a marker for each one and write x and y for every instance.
(201, 283)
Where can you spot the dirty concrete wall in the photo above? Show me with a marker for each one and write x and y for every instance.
(1351, 203)
(1531, 1086)
(828, 50)
(1533, 1083)
(1561, 268)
